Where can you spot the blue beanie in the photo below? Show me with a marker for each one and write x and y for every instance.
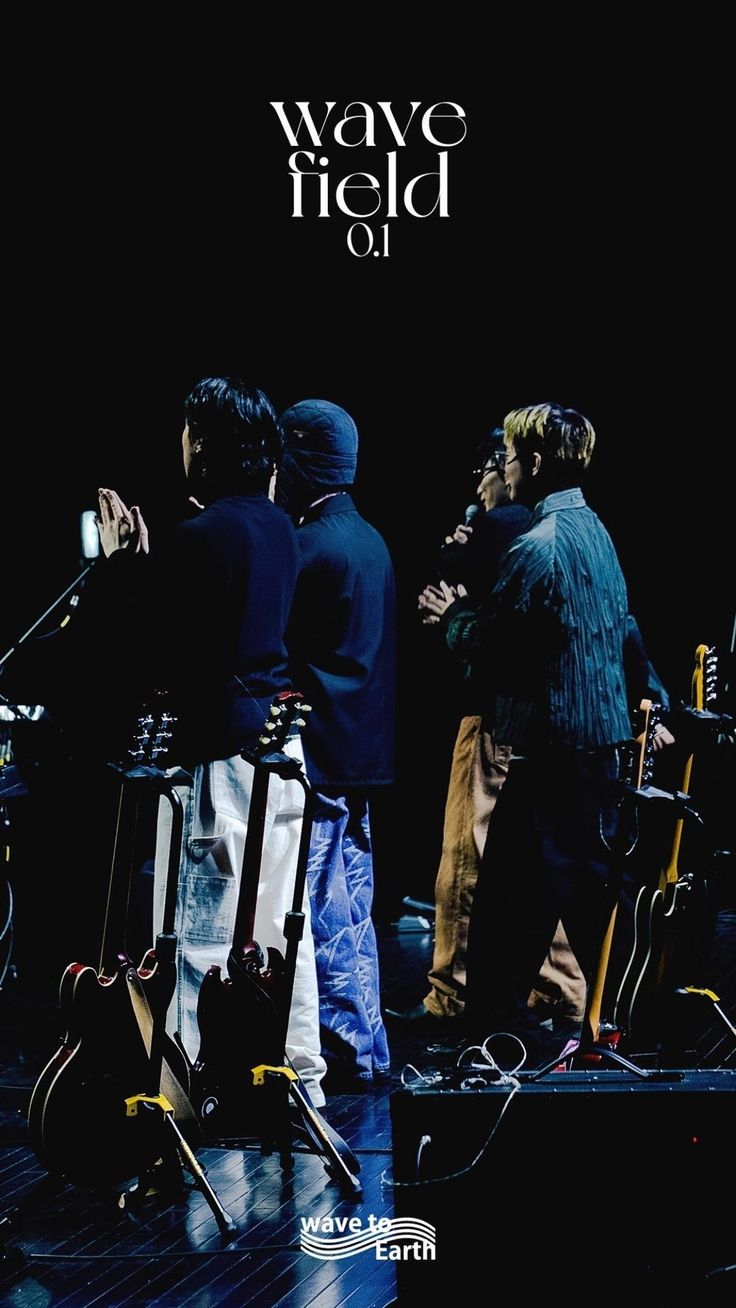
(320, 451)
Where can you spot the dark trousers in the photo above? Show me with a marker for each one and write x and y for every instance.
(548, 857)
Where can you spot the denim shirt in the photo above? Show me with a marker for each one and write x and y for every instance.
(550, 640)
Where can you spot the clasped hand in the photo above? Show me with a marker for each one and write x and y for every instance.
(120, 528)
(434, 600)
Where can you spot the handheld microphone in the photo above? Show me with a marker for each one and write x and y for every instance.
(89, 534)
(471, 512)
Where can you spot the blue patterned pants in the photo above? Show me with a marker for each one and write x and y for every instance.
(341, 894)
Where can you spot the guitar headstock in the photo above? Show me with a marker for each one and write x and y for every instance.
(283, 715)
(153, 732)
(705, 677)
(651, 718)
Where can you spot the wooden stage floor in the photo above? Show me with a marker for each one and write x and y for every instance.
(78, 1250)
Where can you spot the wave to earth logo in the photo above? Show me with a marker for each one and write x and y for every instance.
(393, 1239)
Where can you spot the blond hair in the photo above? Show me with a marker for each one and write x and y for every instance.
(563, 435)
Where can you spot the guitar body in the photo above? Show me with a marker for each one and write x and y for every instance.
(77, 1119)
(671, 922)
(238, 1019)
(632, 986)
(116, 1047)
(672, 931)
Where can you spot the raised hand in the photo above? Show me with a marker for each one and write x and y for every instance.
(120, 528)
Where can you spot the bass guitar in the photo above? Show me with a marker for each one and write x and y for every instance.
(115, 1047)
(661, 914)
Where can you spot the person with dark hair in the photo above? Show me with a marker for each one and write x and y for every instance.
(341, 642)
(550, 642)
(223, 587)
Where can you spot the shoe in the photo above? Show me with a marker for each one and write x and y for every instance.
(526, 1049)
(418, 1021)
(411, 1015)
(411, 922)
(544, 1048)
(435, 1035)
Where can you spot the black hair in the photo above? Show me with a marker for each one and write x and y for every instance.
(234, 433)
(491, 444)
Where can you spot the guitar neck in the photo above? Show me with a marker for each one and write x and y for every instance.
(669, 875)
(283, 717)
(245, 914)
(592, 1020)
(702, 689)
(592, 1016)
(119, 886)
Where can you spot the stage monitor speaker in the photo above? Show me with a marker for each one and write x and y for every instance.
(581, 1186)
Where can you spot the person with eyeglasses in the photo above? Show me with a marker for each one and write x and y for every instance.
(472, 555)
(559, 990)
(549, 645)
(479, 765)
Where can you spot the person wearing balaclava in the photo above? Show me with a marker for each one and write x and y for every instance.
(341, 643)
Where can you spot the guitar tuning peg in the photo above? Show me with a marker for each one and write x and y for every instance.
(276, 710)
(300, 722)
(264, 740)
(305, 708)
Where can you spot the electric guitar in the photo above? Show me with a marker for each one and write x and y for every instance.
(115, 1047)
(243, 1019)
(239, 1016)
(660, 913)
(637, 772)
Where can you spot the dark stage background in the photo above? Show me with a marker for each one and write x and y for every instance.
(154, 246)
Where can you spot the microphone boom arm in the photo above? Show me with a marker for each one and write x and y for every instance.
(60, 600)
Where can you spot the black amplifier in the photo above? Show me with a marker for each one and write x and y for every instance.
(583, 1184)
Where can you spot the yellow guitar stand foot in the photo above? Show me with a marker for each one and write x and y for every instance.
(702, 1001)
(167, 1172)
(714, 998)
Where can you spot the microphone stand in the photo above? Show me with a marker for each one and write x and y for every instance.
(60, 600)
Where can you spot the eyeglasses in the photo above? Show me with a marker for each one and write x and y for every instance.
(496, 464)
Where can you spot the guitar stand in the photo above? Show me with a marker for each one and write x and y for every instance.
(590, 1044)
(713, 998)
(176, 1152)
(685, 1027)
(285, 1097)
(594, 1047)
(340, 1162)
(167, 1174)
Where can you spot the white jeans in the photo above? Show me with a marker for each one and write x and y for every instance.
(215, 818)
